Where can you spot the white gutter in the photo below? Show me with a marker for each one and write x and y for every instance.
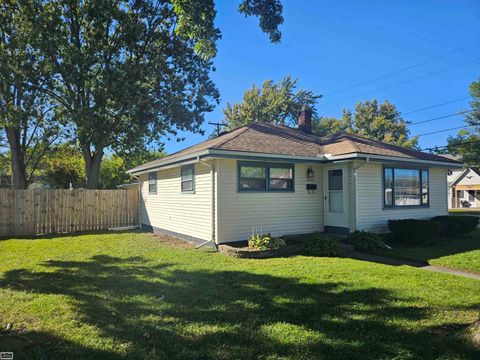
(157, 168)
(212, 172)
(162, 164)
(393, 158)
(355, 187)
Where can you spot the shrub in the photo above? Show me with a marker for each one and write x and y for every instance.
(322, 245)
(265, 242)
(457, 225)
(366, 241)
(414, 231)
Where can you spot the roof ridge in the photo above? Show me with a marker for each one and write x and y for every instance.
(399, 147)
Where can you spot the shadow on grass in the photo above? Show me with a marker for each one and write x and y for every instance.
(161, 312)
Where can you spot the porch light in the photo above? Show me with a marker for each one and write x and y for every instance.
(310, 173)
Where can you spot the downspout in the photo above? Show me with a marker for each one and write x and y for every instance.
(355, 186)
(212, 172)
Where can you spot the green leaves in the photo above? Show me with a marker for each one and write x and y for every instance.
(269, 13)
(121, 73)
(273, 103)
(382, 122)
(467, 142)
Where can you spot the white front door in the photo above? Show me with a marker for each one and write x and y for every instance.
(336, 196)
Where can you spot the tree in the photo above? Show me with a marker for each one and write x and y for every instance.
(328, 125)
(113, 171)
(26, 117)
(467, 143)
(128, 72)
(273, 103)
(61, 166)
(382, 122)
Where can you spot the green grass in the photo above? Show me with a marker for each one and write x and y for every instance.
(131, 295)
(464, 212)
(462, 253)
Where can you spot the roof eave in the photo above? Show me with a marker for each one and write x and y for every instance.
(353, 156)
(322, 158)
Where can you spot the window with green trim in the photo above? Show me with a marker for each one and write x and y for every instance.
(188, 178)
(254, 176)
(405, 187)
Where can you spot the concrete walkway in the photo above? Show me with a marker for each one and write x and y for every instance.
(399, 262)
(450, 271)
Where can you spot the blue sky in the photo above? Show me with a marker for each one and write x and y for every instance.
(331, 45)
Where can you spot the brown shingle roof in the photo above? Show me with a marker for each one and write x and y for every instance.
(282, 140)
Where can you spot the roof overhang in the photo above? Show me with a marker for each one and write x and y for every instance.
(246, 155)
(385, 158)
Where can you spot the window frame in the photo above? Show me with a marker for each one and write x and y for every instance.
(182, 168)
(420, 187)
(154, 174)
(267, 166)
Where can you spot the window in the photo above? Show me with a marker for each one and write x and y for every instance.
(405, 187)
(335, 190)
(188, 178)
(265, 177)
(152, 183)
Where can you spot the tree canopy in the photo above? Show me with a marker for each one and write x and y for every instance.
(274, 103)
(120, 73)
(382, 122)
(467, 142)
(280, 104)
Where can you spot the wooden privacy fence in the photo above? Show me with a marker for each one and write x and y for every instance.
(34, 212)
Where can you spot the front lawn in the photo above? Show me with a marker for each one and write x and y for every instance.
(460, 253)
(138, 296)
(465, 211)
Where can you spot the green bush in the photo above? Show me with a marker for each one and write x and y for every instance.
(322, 245)
(414, 231)
(366, 241)
(265, 242)
(457, 225)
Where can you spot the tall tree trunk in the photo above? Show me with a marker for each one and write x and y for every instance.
(17, 156)
(92, 166)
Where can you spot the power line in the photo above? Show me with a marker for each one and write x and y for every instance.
(405, 81)
(452, 145)
(436, 105)
(444, 130)
(441, 117)
(401, 70)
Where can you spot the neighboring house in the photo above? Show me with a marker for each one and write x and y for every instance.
(464, 188)
(288, 181)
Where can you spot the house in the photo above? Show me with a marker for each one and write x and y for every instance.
(464, 188)
(283, 180)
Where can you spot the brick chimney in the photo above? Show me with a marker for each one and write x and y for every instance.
(305, 119)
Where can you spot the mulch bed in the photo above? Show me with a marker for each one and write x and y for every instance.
(246, 253)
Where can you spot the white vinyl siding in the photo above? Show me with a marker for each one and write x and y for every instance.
(279, 213)
(470, 178)
(372, 216)
(170, 209)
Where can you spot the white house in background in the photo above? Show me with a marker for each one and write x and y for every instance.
(464, 188)
(285, 181)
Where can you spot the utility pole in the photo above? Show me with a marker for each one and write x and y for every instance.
(218, 126)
